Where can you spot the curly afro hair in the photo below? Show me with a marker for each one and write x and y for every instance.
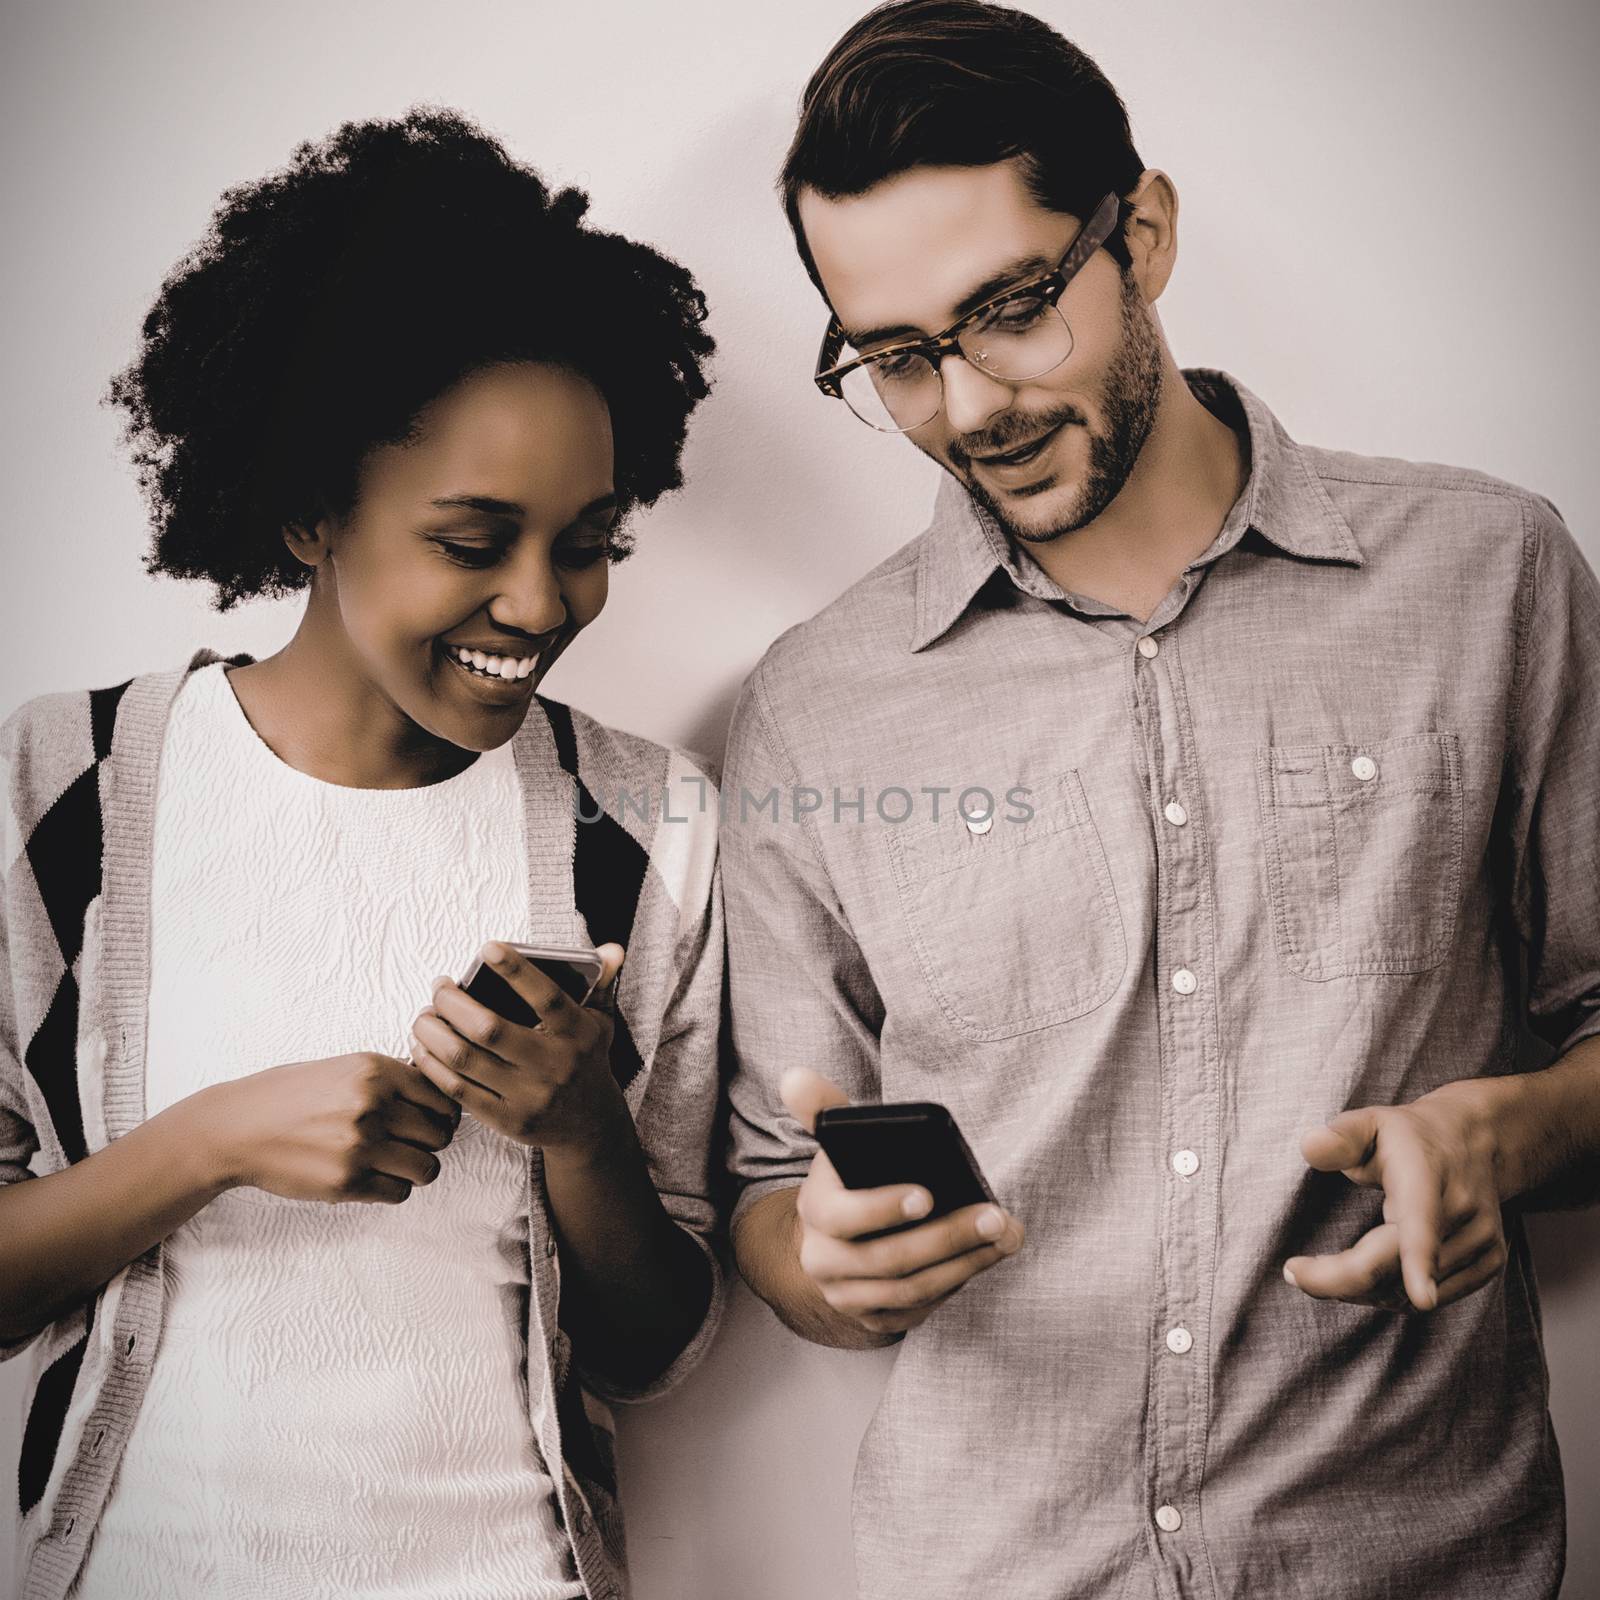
(330, 302)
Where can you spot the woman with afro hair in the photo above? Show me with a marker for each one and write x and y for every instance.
(405, 378)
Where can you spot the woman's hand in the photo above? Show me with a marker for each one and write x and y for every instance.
(356, 1127)
(549, 1085)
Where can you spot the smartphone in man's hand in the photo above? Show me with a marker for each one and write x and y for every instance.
(873, 1146)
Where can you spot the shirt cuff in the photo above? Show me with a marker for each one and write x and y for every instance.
(1588, 1029)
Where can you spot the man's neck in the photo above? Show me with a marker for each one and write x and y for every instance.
(1190, 472)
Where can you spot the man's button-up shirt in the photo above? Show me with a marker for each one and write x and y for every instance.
(1140, 902)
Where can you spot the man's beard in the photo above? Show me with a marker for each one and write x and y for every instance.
(1128, 402)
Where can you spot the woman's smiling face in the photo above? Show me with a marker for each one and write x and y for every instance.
(474, 552)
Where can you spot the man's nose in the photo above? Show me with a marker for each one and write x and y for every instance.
(971, 396)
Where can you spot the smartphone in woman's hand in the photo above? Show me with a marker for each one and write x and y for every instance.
(574, 972)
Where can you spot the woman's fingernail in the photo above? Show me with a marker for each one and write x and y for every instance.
(1289, 1277)
(990, 1223)
(917, 1203)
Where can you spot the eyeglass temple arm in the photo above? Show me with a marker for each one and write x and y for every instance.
(827, 357)
(1095, 232)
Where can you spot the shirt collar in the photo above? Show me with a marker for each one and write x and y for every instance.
(1283, 501)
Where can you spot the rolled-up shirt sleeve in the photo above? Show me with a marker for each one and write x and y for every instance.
(1553, 783)
(800, 990)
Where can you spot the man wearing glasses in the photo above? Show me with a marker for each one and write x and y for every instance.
(1300, 753)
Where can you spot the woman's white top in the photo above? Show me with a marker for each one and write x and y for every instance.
(339, 1404)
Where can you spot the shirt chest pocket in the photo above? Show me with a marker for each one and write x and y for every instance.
(1014, 925)
(1363, 847)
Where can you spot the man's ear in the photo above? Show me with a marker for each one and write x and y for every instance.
(1151, 230)
(309, 542)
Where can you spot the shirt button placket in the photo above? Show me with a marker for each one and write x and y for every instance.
(1183, 1001)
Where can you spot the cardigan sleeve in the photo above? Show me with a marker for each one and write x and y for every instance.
(19, 1140)
(678, 1116)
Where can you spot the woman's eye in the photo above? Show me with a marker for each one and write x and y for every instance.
(470, 555)
(580, 555)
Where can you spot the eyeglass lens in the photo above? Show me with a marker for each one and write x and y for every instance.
(1021, 338)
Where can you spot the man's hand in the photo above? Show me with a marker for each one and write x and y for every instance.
(890, 1284)
(1438, 1164)
(549, 1085)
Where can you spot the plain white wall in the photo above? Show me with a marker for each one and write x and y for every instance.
(1389, 232)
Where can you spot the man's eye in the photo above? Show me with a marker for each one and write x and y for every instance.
(900, 368)
(1015, 316)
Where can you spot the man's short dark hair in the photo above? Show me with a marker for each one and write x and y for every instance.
(960, 83)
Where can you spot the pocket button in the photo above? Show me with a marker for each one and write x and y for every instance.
(980, 824)
(1365, 768)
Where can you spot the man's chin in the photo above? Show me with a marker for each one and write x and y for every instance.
(1042, 513)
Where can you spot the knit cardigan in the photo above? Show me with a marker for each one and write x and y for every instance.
(622, 838)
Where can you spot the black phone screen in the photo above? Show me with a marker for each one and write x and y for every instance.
(914, 1142)
(488, 988)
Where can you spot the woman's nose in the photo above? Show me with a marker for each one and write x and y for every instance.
(531, 600)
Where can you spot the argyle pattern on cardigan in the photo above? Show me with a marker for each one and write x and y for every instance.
(64, 850)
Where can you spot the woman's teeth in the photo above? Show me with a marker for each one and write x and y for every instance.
(495, 666)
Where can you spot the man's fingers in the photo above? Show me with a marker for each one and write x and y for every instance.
(1412, 1187)
(827, 1206)
(1481, 1270)
(1468, 1245)
(1349, 1274)
(863, 1296)
(1347, 1141)
(912, 1252)
(805, 1093)
(1369, 1273)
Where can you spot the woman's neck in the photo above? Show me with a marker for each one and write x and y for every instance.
(316, 710)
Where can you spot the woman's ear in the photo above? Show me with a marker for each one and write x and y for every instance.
(1151, 230)
(309, 542)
